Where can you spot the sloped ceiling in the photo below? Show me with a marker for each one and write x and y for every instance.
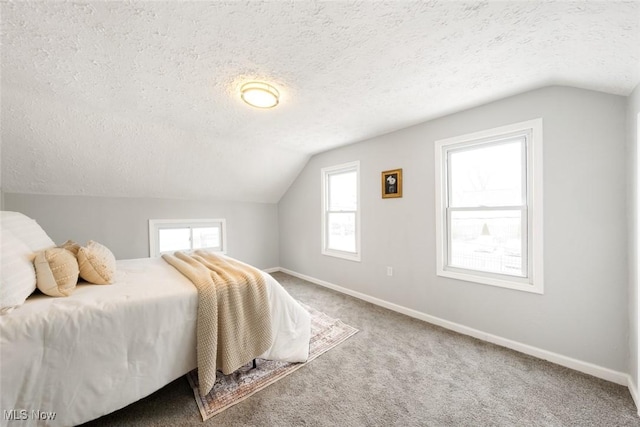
(141, 99)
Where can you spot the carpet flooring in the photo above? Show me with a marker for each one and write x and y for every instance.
(399, 371)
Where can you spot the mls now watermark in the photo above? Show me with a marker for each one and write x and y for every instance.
(23, 415)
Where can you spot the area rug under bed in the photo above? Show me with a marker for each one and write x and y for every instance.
(326, 333)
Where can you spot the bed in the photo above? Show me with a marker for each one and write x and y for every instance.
(106, 346)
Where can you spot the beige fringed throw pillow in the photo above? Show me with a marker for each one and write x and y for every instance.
(56, 272)
(97, 263)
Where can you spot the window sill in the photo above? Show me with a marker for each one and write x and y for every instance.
(491, 281)
(344, 255)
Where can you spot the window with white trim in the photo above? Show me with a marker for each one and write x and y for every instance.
(170, 235)
(489, 207)
(340, 211)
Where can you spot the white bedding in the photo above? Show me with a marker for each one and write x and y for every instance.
(107, 346)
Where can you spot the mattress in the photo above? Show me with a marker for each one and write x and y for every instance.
(107, 346)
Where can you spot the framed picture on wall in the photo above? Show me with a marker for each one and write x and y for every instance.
(392, 183)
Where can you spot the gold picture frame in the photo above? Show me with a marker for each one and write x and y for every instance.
(392, 183)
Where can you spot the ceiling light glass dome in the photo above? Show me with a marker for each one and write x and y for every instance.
(260, 95)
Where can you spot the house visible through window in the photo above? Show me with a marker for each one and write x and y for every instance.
(341, 215)
(489, 219)
(170, 235)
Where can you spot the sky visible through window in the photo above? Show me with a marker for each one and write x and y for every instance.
(179, 239)
(341, 233)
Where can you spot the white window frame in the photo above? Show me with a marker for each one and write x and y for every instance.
(533, 238)
(156, 224)
(325, 173)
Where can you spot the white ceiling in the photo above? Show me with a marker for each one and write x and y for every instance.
(141, 99)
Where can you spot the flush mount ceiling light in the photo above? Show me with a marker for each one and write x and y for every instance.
(259, 95)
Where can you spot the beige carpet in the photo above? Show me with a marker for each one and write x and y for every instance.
(228, 390)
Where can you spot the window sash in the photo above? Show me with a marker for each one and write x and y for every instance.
(523, 137)
(525, 272)
(328, 231)
(192, 239)
(155, 226)
(328, 210)
(330, 201)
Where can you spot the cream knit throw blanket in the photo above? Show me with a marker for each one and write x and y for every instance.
(234, 320)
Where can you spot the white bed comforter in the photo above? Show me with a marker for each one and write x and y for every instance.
(105, 347)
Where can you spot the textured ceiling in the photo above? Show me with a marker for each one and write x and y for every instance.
(141, 98)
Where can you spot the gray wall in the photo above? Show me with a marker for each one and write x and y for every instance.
(633, 211)
(122, 225)
(583, 313)
(1, 190)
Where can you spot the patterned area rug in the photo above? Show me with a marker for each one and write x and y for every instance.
(326, 333)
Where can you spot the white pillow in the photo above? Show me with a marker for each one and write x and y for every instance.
(17, 272)
(27, 230)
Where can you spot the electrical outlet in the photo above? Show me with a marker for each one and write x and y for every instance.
(389, 271)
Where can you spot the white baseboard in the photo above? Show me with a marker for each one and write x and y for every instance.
(633, 389)
(272, 270)
(578, 365)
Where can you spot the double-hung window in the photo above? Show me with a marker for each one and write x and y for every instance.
(489, 207)
(170, 235)
(340, 211)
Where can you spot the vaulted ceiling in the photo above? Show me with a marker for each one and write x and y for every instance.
(141, 99)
